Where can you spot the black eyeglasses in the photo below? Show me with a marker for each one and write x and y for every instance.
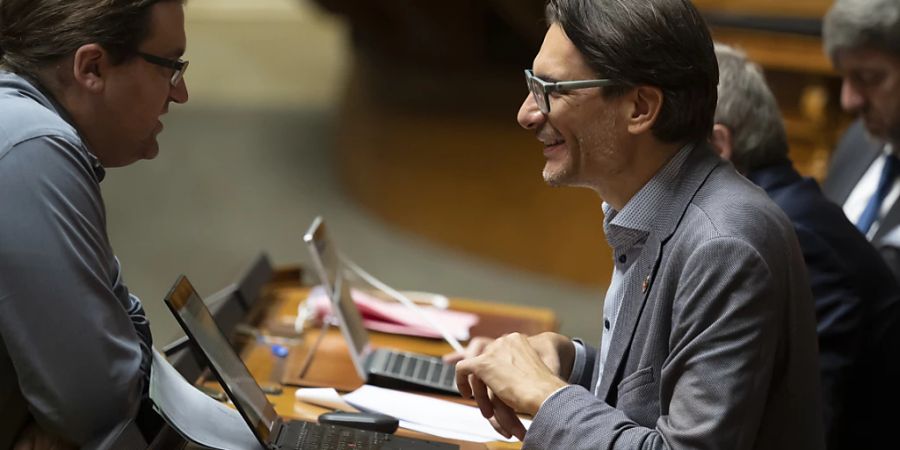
(541, 89)
(178, 65)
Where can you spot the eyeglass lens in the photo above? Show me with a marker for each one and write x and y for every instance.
(179, 74)
(537, 92)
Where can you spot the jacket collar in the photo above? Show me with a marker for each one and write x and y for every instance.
(774, 176)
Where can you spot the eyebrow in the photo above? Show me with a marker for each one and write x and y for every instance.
(548, 79)
(177, 53)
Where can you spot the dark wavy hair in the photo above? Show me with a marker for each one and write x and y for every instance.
(662, 43)
(35, 33)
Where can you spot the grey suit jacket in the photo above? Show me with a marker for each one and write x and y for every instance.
(715, 345)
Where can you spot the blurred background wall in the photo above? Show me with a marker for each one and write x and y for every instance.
(395, 119)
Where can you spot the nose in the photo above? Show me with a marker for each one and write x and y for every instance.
(530, 116)
(179, 93)
(852, 99)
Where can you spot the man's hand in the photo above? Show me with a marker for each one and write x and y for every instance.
(556, 350)
(509, 376)
(476, 347)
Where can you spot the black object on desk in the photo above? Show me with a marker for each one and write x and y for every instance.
(382, 423)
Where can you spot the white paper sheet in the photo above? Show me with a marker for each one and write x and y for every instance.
(329, 398)
(444, 433)
(427, 414)
(324, 397)
(196, 416)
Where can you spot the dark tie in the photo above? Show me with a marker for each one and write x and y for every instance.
(888, 174)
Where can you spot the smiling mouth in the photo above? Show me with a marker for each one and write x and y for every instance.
(553, 145)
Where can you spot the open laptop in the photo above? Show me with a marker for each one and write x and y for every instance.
(251, 402)
(381, 367)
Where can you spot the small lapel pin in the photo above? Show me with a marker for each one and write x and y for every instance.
(646, 284)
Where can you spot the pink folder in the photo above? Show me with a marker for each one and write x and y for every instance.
(388, 316)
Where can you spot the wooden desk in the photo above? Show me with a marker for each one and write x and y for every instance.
(275, 314)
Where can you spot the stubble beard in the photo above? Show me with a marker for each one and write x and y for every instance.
(888, 134)
(893, 137)
(559, 177)
(593, 148)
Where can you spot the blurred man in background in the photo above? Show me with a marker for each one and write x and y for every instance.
(862, 37)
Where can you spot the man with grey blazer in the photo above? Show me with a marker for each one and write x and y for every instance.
(708, 329)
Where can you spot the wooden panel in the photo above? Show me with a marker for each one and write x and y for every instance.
(781, 51)
(794, 8)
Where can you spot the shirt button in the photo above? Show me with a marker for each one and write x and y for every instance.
(622, 259)
(606, 323)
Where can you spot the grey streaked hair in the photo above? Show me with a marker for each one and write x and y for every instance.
(862, 23)
(748, 108)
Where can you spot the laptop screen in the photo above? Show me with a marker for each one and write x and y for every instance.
(198, 323)
(332, 275)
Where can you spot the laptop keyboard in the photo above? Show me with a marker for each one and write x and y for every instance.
(421, 368)
(304, 435)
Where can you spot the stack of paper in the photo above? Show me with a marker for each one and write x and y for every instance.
(428, 415)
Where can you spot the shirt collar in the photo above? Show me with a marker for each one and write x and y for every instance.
(45, 98)
(635, 220)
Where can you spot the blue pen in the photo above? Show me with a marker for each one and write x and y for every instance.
(279, 350)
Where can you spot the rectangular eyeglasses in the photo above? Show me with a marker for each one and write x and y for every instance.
(178, 65)
(541, 89)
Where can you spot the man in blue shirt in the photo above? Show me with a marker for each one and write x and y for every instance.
(83, 85)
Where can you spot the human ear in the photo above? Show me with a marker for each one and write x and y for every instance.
(89, 67)
(646, 103)
(722, 141)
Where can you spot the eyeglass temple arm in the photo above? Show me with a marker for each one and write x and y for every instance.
(566, 85)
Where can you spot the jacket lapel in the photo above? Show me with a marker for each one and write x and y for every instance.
(856, 152)
(639, 282)
(635, 296)
(890, 222)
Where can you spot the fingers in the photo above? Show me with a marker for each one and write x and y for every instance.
(507, 419)
(463, 370)
(452, 358)
(470, 386)
(482, 397)
(499, 429)
(476, 347)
